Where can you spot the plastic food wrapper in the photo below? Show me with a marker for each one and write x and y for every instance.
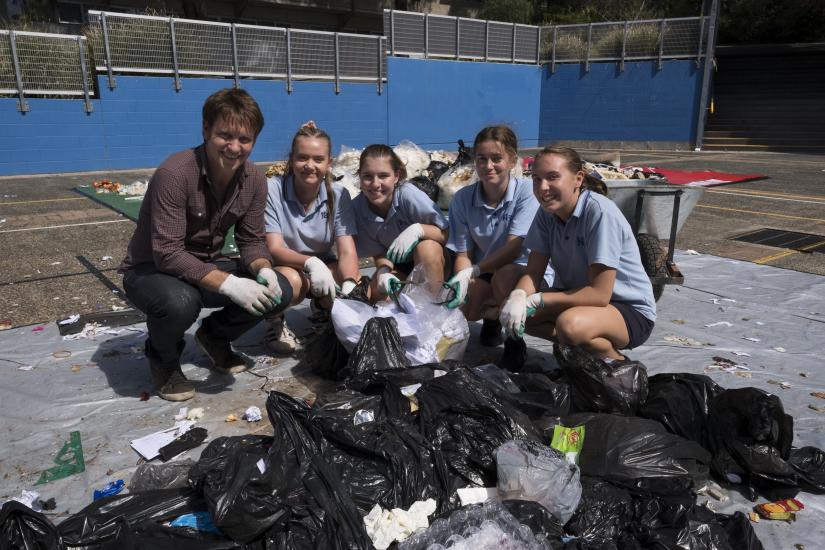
(487, 527)
(200, 521)
(599, 387)
(452, 180)
(429, 332)
(530, 471)
(387, 526)
(415, 159)
(781, 509)
(111, 488)
(252, 414)
(569, 441)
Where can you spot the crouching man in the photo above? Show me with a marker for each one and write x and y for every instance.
(174, 265)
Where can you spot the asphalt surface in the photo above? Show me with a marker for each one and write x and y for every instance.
(59, 250)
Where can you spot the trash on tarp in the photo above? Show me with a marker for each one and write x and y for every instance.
(252, 414)
(111, 488)
(30, 499)
(67, 462)
(781, 509)
(149, 446)
(569, 441)
(182, 443)
(151, 477)
(195, 414)
(70, 319)
(387, 526)
(182, 412)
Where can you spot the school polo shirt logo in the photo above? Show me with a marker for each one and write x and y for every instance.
(324, 214)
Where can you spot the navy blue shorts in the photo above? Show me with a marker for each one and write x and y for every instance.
(638, 326)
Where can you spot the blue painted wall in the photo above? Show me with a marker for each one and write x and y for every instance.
(433, 103)
(640, 104)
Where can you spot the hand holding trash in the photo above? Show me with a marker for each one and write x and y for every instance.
(389, 283)
(267, 277)
(321, 281)
(517, 309)
(405, 243)
(252, 296)
(459, 284)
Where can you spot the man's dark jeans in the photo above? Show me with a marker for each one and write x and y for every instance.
(171, 306)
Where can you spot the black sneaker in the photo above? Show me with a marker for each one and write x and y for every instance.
(171, 385)
(220, 352)
(490, 333)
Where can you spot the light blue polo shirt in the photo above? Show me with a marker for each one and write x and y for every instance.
(307, 232)
(409, 205)
(596, 233)
(480, 230)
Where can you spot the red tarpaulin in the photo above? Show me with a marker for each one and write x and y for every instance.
(704, 178)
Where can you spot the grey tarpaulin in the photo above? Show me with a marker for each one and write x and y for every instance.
(781, 308)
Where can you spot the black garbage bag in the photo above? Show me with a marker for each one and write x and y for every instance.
(750, 437)
(467, 419)
(21, 528)
(538, 519)
(325, 354)
(464, 154)
(680, 402)
(116, 522)
(173, 475)
(514, 355)
(541, 397)
(377, 382)
(599, 387)
(426, 185)
(379, 348)
(809, 463)
(605, 511)
(436, 169)
(640, 454)
(247, 488)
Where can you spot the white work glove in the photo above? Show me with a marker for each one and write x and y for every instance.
(389, 283)
(404, 243)
(254, 297)
(348, 286)
(459, 283)
(321, 281)
(268, 278)
(517, 309)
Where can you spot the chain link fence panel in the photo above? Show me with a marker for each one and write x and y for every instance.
(358, 56)
(472, 38)
(526, 43)
(441, 36)
(261, 51)
(204, 48)
(49, 64)
(499, 41)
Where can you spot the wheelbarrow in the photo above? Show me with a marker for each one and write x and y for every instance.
(656, 211)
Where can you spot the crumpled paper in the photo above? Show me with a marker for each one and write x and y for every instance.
(386, 526)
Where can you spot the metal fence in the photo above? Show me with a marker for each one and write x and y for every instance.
(33, 63)
(438, 36)
(125, 43)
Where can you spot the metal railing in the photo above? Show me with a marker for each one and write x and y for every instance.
(33, 63)
(124, 43)
(426, 35)
(441, 36)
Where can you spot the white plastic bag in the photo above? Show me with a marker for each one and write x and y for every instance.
(452, 180)
(430, 332)
(415, 159)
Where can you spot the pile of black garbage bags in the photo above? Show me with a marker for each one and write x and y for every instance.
(649, 445)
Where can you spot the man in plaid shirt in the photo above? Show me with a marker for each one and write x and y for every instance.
(174, 265)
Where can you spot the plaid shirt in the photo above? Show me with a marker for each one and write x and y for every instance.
(182, 224)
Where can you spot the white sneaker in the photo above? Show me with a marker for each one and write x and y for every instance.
(279, 338)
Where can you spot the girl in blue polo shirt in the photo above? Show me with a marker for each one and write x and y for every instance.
(398, 224)
(306, 214)
(602, 299)
(489, 220)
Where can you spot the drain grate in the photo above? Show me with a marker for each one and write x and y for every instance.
(805, 242)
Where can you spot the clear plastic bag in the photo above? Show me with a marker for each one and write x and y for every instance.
(531, 471)
(460, 175)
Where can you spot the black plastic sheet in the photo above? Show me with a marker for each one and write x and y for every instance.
(426, 185)
(640, 454)
(21, 528)
(599, 387)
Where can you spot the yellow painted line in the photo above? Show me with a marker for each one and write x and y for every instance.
(786, 253)
(770, 214)
(43, 200)
(732, 191)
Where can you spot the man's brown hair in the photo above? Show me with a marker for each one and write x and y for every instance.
(236, 106)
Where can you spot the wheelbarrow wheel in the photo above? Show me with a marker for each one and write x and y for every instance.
(654, 260)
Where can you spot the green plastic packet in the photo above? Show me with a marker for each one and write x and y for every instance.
(569, 441)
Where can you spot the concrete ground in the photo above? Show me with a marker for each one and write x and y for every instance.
(58, 248)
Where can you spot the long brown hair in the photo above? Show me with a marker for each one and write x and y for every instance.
(310, 130)
(575, 164)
